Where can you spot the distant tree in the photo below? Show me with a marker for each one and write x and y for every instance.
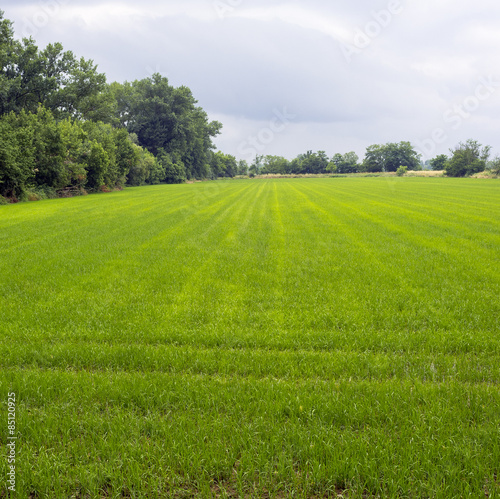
(313, 162)
(439, 162)
(275, 164)
(230, 166)
(256, 166)
(331, 167)
(242, 167)
(389, 157)
(401, 154)
(374, 159)
(309, 163)
(223, 165)
(494, 165)
(468, 158)
(346, 163)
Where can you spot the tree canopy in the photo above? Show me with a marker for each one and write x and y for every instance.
(468, 158)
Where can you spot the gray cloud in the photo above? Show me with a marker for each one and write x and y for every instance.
(408, 72)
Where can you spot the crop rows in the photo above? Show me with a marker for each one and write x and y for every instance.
(266, 338)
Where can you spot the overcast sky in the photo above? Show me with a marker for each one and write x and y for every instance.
(285, 77)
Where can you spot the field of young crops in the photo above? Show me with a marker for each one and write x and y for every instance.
(256, 338)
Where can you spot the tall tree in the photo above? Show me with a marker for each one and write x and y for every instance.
(439, 162)
(468, 158)
(167, 118)
(389, 157)
(55, 78)
(345, 163)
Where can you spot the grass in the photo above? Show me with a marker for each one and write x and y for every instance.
(261, 338)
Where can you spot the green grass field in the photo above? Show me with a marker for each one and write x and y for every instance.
(265, 338)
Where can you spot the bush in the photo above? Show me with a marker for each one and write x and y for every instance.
(38, 193)
(494, 166)
(175, 172)
(401, 171)
(3, 200)
(468, 158)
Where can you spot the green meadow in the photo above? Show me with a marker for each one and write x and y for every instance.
(302, 338)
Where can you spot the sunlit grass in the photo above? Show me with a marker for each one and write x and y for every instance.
(265, 338)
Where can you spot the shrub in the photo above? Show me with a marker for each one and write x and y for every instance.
(468, 158)
(401, 171)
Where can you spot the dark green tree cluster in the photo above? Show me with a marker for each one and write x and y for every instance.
(63, 128)
(166, 120)
(389, 157)
(468, 158)
(67, 86)
(379, 158)
(63, 156)
(224, 165)
(439, 163)
(308, 163)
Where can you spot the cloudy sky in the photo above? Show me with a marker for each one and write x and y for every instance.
(289, 76)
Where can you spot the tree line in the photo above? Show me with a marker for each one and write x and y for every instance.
(64, 130)
(466, 159)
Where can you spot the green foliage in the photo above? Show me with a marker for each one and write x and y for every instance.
(402, 170)
(389, 157)
(374, 159)
(64, 128)
(275, 164)
(73, 139)
(494, 166)
(68, 155)
(167, 118)
(439, 163)
(468, 158)
(156, 170)
(242, 167)
(310, 163)
(223, 165)
(279, 338)
(175, 172)
(346, 163)
(98, 162)
(17, 170)
(145, 168)
(125, 153)
(67, 86)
